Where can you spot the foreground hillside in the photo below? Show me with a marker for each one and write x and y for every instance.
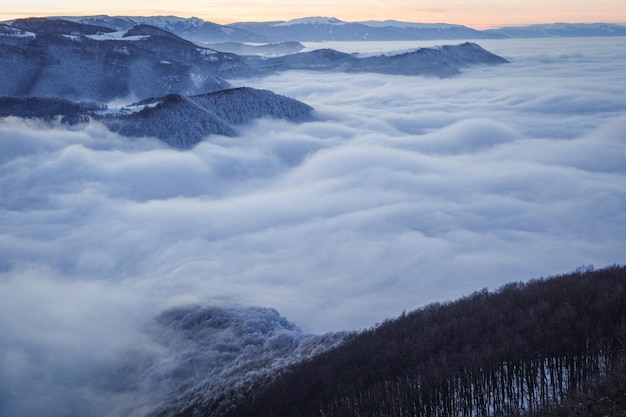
(519, 350)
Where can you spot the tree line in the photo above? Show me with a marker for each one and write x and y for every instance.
(519, 350)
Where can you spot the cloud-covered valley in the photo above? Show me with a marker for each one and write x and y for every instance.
(404, 191)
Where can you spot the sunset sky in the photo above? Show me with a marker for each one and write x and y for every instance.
(478, 14)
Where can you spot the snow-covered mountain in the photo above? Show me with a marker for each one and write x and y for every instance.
(316, 29)
(50, 61)
(215, 357)
(332, 29)
(183, 121)
(266, 50)
(442, 61)
(193, 29)
(177, 120)
(57, 58)
(202, 358)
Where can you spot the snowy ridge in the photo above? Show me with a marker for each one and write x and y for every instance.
(266, 50)
(194, 29)
(438, 61)
(182, 122)
(317, 20)
(177, 120)
(214, 356)
(319, 28)
(86, 62)
(116, 36)
(403, 25)
(10, 31)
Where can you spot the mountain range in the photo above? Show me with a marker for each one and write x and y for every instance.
(331, 29)
(180, 91)
(319, 29)
(57, 58)
(77, 61)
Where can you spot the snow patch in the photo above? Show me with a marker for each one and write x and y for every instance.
(198, 80)
(116, 36)
(15, 32)
(74, 38)
(121, 50)
(318, 20)
(208, 54)
(407, 25)
(113, 110)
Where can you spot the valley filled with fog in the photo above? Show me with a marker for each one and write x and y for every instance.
(403, 191)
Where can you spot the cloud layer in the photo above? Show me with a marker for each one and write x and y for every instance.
(407, 190)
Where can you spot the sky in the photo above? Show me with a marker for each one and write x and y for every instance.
(404, 191)
(477, 14)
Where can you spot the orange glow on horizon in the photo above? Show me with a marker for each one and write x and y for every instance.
(490, 15)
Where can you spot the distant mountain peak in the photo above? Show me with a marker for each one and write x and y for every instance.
(58, 26)
(149, 30)
(406, 25)
(315, 20)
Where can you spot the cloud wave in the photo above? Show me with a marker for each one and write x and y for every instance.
(406, 190)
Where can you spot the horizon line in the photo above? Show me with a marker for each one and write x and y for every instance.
(13, 17)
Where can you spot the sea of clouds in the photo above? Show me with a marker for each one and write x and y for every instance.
(404, 191)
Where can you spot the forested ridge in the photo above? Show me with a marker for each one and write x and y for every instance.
(520, 350)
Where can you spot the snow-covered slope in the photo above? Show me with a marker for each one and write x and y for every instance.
(65, 59)
(216, 356)
(193, 28)
(267, 50)
(318, 29)
(332, 29)
(182, 121)
(177, 120)
(442, 61)
(83, 62)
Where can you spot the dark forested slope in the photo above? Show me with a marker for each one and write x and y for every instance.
(518, 350)
(177, 120)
